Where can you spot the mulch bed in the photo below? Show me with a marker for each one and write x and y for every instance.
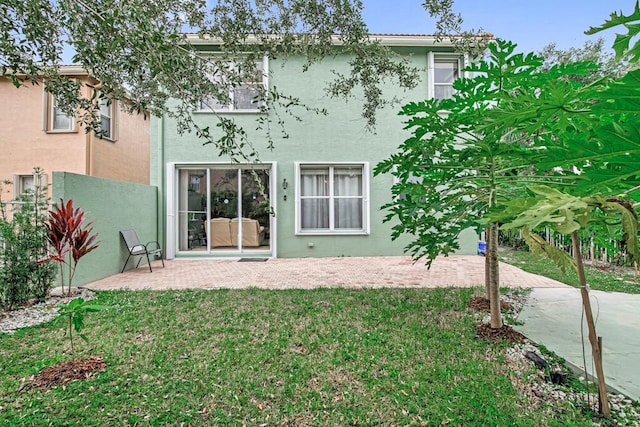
(485, 331)
(64, 372)
(482, 304)
(505, 333)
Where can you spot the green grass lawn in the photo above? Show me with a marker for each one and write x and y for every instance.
(256, 357)
(612, 280)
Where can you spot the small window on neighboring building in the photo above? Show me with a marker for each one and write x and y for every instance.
(332, 198)
(108, 118)
(247, 96)
(56, 120)
(24, 184)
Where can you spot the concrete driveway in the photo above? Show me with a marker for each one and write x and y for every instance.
(553, 317)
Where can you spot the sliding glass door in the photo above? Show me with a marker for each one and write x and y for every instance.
(224, 209)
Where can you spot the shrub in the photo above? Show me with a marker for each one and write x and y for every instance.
(25, 271)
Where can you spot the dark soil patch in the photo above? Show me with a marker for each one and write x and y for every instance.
(64, 372)
(483, 304)
(505, 333)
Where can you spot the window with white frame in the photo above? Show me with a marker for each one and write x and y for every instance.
(108, 118)
(56, 120)
(332, 198)
(245, 96)
(23, 184)
(411, 180)
(444, 69)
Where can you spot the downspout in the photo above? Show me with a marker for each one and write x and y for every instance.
(89, 147)
(161, 215)
(89, 154)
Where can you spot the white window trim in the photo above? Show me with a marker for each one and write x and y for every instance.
(171, 204)
(463, 60)
(18, 189)
(113, 131)
(49, 107)
(412, 179)
(230, 109)
(366, 208)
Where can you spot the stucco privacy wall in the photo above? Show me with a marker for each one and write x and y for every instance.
(113, 206)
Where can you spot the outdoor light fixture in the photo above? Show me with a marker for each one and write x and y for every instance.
(285, 184)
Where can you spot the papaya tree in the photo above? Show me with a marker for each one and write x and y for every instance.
(567, 214)
(593, 130)
(459, 162)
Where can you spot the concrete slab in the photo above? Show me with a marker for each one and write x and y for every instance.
(553, 317)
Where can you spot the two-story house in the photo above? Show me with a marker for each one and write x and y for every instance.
(314, 194)
(35, 132)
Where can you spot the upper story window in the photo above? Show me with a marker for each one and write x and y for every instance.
(55, 119)
(247, 95)
(444, 69)
(108, 113)
(332, 198)
(59, 119)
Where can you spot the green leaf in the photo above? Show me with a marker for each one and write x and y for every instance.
(622, 40)
(78, 322)
(94, 308)
(538, 246)
(629, 226)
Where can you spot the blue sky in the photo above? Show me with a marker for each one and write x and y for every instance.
(531, 24)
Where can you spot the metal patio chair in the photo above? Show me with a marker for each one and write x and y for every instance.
(136, 248)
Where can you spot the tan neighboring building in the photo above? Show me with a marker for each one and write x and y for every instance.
(34, 132)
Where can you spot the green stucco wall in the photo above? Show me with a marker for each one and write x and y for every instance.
(113, 206)
(340, 136)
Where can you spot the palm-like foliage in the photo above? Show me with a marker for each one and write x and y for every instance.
(461, 160)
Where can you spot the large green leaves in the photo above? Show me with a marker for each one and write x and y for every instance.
(632, 24)
(139, 52)
(566, 213)
(74, 311)
(590, 128)
(460, 160)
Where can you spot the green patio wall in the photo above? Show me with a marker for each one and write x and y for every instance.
(113, 206)
(340, 136)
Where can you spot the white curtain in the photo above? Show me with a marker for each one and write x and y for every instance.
(348, 201)
(445, 73)
(316, 196)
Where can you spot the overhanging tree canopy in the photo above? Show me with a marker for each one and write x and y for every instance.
(139, 51)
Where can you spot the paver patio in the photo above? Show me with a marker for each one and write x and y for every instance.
(306, 273)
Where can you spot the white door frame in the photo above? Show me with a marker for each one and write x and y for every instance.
(171, 188)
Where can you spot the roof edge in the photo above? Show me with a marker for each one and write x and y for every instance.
(398, 40)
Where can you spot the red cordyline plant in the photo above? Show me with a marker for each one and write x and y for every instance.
(69, 237)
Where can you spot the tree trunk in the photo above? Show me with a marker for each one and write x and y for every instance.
(596, 348)
(487, 263)
(494, 277)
